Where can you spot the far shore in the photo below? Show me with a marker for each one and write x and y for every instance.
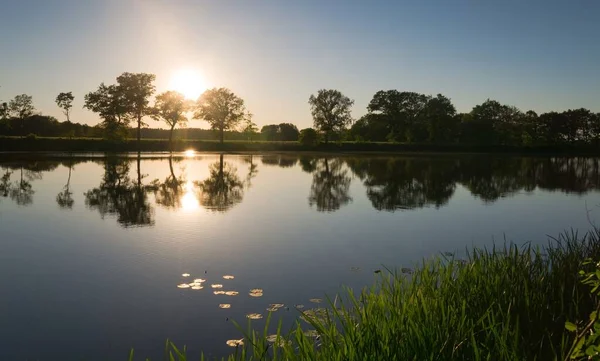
(43, 144)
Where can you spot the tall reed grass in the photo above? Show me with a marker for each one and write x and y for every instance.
(507, 303)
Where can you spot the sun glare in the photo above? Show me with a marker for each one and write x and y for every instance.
(190, 153)
(188, 82)
(189, 202)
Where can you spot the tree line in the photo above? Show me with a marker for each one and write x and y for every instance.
(392, 116)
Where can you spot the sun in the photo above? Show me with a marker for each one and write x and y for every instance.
(188, 82)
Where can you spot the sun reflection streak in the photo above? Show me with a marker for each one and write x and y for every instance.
(189, 202)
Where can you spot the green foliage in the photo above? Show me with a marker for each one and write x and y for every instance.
(171, 108)
(136, 90)
(285, 132)
(330, 110)
(586, 345)
(308, 137)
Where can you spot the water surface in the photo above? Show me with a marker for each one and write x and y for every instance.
(92, 250)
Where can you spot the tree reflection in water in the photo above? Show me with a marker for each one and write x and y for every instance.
(330, 186)
(223, 189)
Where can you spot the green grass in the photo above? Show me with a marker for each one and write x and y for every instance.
(509, 303)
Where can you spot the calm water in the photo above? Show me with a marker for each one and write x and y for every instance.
(92, 249)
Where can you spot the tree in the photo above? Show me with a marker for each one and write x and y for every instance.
(440, 116)
(402, 112)
(222, 109)
(270, 132)
(65, 102)
(308, 137)
(171, 107)
(137, 88)
(249, 128)
(21, 107)
(330, 110)
(222, 189)
(288, 132)
(4, 110)
(110, 103)
(64, 198)
(330, 186)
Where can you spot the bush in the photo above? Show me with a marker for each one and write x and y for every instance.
(31, 136)
(308, 137)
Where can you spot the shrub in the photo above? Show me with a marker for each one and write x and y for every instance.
(308, 137)
(31, 136)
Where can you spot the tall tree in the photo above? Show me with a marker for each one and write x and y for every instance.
(21, 107)
(222, 109)
(270, 132)
(288, 132)
(403, 112)
(109, 102)
(440, 116)
(171, 107)
(330, 110)
(137, 88)
(65, 102)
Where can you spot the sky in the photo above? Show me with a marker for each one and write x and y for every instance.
(536, 54)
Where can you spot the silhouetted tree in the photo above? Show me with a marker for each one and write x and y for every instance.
(21, 107)
(330, 186)
(270, 132)
(403, 112)
(308, 137)
(171, 107)
(440, 116)
(288, 132)
(65, 102)
(222, 109)
(22, 192)
(330, 110)
(222, 189)
(110, 103)
(137, 88)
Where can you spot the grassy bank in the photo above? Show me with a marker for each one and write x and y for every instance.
(499, 304)
(8, 144)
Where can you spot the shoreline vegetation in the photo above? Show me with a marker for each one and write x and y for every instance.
(508, 303)
(58, 144)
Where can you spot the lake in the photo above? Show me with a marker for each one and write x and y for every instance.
(93, 250)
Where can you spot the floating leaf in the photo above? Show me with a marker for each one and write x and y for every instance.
(183, 285)
(272, 309)
(224, 305)
(311, 333)
(318, 314)
(277, 340)
(235, 343)
(256, 290)
(316, 300)
(216, 286)
(199, 280)
(232, 293)
(197, 287)
(255, 294)
(570, 326)
(276, 305)
(299, 306)
(228, 277)
(185, 275)
(254, 316)
(219, 292)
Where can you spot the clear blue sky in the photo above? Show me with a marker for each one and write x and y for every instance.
(534, 54)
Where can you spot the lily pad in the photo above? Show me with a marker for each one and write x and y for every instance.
(199, 280)
(216, 286)
(235, 343)
(254, 316)
(224, 305)
(228, 277)
(197, 287)
(183, 285)
(219, 292)
(232, 293)
(316, 300)
(185, 275)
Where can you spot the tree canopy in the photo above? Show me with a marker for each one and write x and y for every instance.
(222, 109)
(65, 102)
(330, 110)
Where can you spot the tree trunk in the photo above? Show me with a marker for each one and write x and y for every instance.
(171, 139)
(222, 131)
(139, 131)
